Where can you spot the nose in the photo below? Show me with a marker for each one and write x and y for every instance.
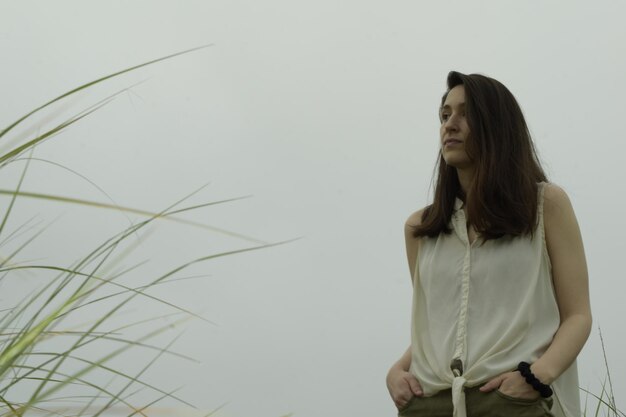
(451, 124)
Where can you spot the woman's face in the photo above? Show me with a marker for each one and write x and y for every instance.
(454, 129)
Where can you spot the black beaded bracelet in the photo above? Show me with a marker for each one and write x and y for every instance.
(544, 390)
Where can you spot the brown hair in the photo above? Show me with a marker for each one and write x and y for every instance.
(502, 198)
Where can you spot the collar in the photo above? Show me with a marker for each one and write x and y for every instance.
(458, 204)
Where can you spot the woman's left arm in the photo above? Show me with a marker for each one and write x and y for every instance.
(570, 279)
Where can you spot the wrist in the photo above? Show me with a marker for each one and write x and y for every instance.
(399, 367)
(542, 373)
(395, 368)
(524, 368)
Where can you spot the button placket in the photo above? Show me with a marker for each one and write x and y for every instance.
(460, 349)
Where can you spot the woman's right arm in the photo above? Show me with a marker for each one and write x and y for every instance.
(402, 385)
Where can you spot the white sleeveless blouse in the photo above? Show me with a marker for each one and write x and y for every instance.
(484, 308)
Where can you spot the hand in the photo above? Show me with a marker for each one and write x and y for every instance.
(512, 384)
(402, 386)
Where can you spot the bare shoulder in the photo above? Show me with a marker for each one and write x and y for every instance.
(560, 223)
(556, 203)
(415, 219)
(555, 196)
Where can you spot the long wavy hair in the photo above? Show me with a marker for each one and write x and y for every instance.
(502, 198)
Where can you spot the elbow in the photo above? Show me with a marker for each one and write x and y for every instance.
(583, 321)
(586, 323)
(586, 319)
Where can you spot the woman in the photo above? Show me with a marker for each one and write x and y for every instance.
(500, 292)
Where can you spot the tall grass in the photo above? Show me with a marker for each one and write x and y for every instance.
(604, 401)
(51, 364)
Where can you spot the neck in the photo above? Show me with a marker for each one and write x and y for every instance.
(466, 176)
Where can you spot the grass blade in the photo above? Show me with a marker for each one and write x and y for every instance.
(94, 82)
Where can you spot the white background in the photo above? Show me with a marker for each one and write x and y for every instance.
(326, 113)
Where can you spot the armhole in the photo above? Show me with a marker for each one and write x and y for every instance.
(541, 228)
(541, 187)
(416, 262)
(416, 268)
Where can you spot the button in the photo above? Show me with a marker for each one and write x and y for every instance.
(456, 366)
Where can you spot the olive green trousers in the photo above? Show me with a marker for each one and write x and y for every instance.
(478, 404)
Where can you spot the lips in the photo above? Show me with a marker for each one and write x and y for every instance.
(451, 141)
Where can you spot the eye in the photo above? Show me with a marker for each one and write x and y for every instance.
(445, 116)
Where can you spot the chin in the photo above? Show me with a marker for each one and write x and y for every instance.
(457, 162)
